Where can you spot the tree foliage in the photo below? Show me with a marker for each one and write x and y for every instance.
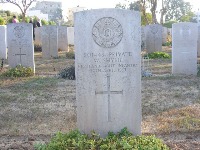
(176, 9)
(23, 5)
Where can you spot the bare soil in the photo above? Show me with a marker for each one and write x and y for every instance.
(33, 109)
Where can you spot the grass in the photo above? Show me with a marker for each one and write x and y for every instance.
(182, 120)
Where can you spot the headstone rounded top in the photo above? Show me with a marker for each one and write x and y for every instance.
(107, 32)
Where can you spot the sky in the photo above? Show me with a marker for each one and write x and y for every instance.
(91, 4)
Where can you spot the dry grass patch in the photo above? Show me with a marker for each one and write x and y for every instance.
(182, 119)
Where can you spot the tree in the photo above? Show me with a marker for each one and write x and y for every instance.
(189, 17)
(153, 6)
(175, 9)
(23, 5)
(147, 19)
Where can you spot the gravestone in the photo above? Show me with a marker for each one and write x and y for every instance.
(38, 32)
(108, 70)
(198, 42)
(62, 38)
(20, 45)
(3, 45)
(70, 35)
(164, 35)
(154, 38)
(184, 48)
(143, 38)
(49, 41)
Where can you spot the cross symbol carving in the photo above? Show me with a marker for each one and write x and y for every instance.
(20, 55)
(109, 92)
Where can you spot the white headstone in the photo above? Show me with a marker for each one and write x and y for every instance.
(70, 35)
(38, 32)
(3, 45)
(143, 38)
(62, 38)
(20, 45)
(108, 70)
(154, 38)
(49, 41)
(184, 48)
(198, 42)
(164, 35)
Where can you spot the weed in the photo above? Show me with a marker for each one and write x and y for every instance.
(157, 55)
(122, 140)
(19, 71)
(67, 73)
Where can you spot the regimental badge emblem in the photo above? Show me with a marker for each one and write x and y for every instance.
(107, 32)
(19, 31)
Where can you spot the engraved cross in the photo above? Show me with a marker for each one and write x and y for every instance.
(20, 54)
(109, 92)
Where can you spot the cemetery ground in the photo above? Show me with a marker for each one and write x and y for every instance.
(33, 109)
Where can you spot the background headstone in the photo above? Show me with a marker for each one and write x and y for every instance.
(38, 32)
(184, 48)
(62, 38)
(154, 38)
(49, 41)
(3, 43)
(108, 70)
(20, 45)
(143, 38)
(198, 42)
(70, 35)
(164, 35)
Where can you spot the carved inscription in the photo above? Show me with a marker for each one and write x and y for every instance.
(19, 31)
(108, 92)
(107, 32)
(108, 62)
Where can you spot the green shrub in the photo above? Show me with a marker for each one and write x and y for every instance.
(198, 71)
(67, 73)
(167, 44)
(19, 71)
(157, 55)
(74, 140)
(2, 21)
(70, 55)
(44, 22)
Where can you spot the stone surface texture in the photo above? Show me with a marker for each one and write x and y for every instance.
(49, 41)
(3, 43)
(20, 45)
(62, 38)
(184, 48)
(154, 38)
(38, 33)
(70, 35)
(164, 35)
(108, 70)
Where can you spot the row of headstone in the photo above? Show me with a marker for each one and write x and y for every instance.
(108, 63)
(108, 66)
(65, 36)
(3, 43)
